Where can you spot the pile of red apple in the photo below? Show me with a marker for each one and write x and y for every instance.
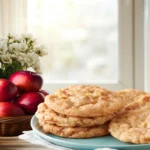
(21, 94)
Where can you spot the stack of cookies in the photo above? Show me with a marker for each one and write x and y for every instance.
(90, 111)
(80, 111)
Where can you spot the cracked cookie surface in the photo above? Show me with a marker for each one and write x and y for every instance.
(133, 124)
(130, 95)
(84, 101)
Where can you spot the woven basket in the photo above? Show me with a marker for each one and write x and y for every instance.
(13, 126)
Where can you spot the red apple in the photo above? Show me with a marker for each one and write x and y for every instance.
(10, 109)
(45, 93)
(8, 90)
(27, 81)
(29, 101)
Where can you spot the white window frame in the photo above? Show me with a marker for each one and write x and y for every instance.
(125, 53)
(147, 46)
(138, 49)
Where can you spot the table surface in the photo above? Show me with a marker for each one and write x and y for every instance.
(14, 143)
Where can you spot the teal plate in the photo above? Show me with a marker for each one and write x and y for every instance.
(86, 144)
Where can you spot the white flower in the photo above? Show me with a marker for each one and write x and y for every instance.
(14, 47)
(11, 41)
(17, 47)
(6, 59)
(17, 38)
(37, 67)
(14, 38)
(40, 51)
(27, 36)
(3, 46)
(22, 47)
(21, 58)
(31, 58)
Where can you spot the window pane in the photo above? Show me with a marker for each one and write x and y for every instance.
(81, 37)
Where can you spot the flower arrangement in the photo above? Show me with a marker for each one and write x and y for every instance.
(19, 53)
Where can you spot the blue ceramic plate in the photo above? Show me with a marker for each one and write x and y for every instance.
(86, 144)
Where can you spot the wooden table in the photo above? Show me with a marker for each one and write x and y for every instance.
(13, 143)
